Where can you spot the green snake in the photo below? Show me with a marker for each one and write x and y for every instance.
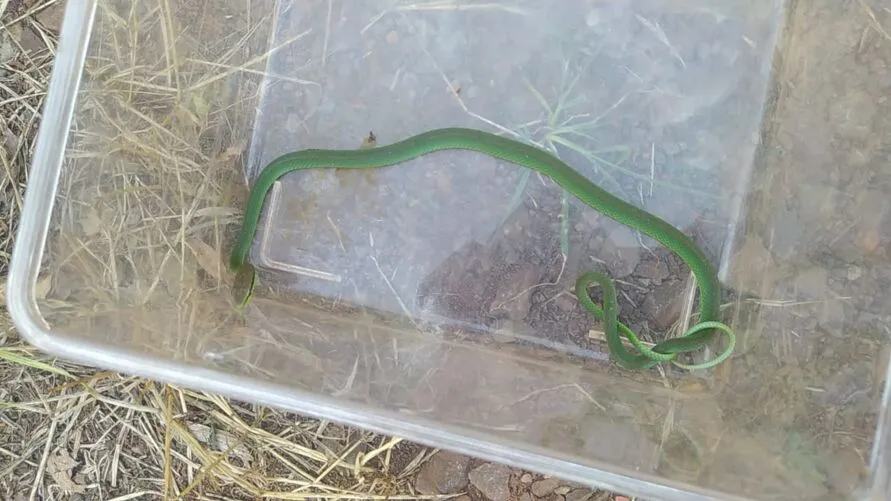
(538, 160)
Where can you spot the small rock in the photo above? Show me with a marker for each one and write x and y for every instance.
(620, 252)
(656, 271)
(664, 305)
(579, 495)
(31, 41)
(8, 44)
(526, 497)
(622, 236)
(514, 291)
(392, 37)
(844, 469)
(51, 17)
(492, 481)
(444, 473)
(10, 141)
(544, 487)
(526, 478)
(566, 303)
(562, 490)
(854, 272)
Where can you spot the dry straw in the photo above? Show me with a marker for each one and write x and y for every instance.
(167, 110)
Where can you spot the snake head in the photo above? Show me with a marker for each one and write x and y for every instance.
(244, 284)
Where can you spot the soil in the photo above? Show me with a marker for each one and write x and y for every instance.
(814, 248)
(514, 286)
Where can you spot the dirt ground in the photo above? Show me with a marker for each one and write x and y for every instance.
(795, 410)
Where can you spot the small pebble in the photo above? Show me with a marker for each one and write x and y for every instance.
(444, 473)
(566, 303)
(51, 17)
(492, 481)
(854, 272)
(392, 37)
(545, 486)
(526, 478)
(579, 495)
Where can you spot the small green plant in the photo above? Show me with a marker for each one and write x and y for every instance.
(568, 125)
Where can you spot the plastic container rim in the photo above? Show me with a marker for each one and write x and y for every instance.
(39, 200)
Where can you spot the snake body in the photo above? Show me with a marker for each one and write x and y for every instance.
(550, 166)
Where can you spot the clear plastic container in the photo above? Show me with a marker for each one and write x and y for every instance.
(433, 300)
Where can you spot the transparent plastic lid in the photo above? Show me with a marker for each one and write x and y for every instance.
(460, 241)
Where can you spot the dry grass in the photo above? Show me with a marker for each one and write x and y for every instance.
(67, 429)
(136, 438)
